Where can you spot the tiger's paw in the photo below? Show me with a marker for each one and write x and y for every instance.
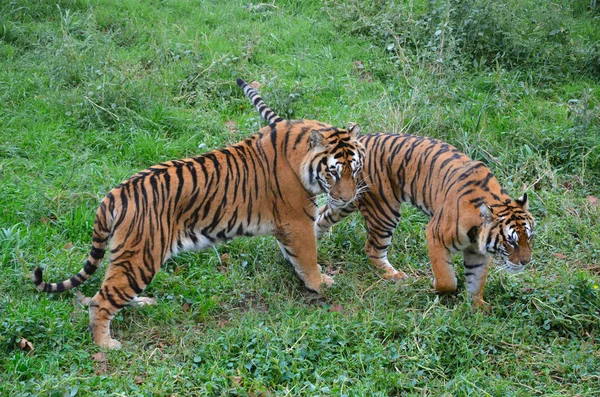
(327, 280)
(395, 276)
(110, 344)
(142, 301)
(480, 304)
(447, 286)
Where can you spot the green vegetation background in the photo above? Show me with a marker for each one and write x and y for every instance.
(93, 91)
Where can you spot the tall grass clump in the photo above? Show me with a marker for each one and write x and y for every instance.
(546, 36)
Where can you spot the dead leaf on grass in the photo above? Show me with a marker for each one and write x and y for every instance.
(336, 308)
(186, 307)
(592, 200)
(139, 380)
(224, 263)
(332, 271)
(225, 259)
(50, 218)
(26, 345)
(236, 381)
(101, 362)
(558, 255)
(256, 85)
(231, 125)
(98, 356)
(567, 185)
(68, 246)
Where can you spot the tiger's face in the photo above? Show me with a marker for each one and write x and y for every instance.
(511, 234)
(338, 164)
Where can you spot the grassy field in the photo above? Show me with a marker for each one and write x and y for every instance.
(93, 91)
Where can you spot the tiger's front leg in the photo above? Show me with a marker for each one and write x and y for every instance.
(299, 246)
(444, 279)
(380, 230)
(328, 217)
(476, 269)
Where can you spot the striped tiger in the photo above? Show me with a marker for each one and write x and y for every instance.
(264, 185)
(470, 212)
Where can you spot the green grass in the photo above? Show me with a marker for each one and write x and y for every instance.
(91, 92)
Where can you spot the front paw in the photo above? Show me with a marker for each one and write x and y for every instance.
(480, 304)
(445, 286)
(316, 285)
(326, 280)
(395, 275)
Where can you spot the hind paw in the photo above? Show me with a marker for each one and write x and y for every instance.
(142, 301)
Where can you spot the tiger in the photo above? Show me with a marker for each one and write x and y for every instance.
(263, 185)
(470, 212)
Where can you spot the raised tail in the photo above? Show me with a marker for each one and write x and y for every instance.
(102, 232)
(266, 112)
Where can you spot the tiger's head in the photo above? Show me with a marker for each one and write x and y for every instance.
(508, 232)
(335, 164)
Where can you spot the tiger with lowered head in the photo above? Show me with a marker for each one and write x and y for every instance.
(264, 185)
(470, 212)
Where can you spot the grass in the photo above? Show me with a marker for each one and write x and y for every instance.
(91, 92)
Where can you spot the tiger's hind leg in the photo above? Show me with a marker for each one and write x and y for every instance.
(379, 238)
(476, 269)
(124, 280)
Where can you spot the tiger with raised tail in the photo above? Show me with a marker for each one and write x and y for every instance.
(264, 185)
(470, 212)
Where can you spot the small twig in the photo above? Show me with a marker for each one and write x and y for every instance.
(289, 349)
(370, 288)
(537, 180)
(113, 115)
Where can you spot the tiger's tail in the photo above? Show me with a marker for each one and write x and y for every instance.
(101, 235)
(266, 112)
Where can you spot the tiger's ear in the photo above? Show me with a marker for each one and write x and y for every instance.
(354, 130)
(486, 213)
(316, 140)
(522, 202)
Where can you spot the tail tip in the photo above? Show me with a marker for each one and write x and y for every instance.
(240, 82)
(37, 277)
